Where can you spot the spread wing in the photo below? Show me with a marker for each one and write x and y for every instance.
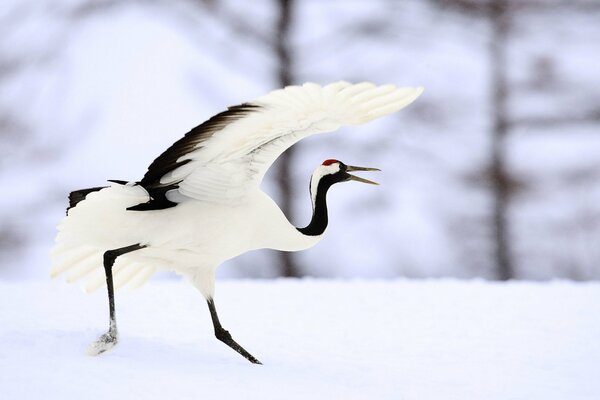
(227, 156)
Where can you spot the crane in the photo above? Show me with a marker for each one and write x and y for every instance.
(200, 203)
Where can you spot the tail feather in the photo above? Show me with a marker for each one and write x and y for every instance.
(69, 259)
(96, 280)
(86, 264)
(125, 274)
(142, 277)
(92, 228)
(79, 195)
(84, 267)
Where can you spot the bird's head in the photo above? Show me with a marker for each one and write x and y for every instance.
(334, 171)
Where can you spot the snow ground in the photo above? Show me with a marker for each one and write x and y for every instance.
(433, 339)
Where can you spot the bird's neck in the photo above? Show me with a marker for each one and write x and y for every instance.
(319, 220)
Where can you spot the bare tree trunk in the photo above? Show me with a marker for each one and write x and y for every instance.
(499, 174)
(288, 262)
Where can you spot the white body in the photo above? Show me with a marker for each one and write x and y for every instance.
(216, 171)
(191, 239)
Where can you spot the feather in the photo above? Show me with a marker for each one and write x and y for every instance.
(226, 157)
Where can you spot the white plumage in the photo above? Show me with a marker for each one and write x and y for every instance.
(200, 202)
(236, 160)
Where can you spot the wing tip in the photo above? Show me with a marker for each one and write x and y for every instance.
(419, 91)
(386, 102)
(416, 93)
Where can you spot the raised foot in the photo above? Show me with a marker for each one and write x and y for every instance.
(104, 343)
(225, 337)
(254, 360)
(249, 357)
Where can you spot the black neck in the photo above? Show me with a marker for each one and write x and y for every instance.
(319, 220)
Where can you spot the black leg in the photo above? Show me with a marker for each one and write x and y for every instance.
(110, 338)
(225, 337)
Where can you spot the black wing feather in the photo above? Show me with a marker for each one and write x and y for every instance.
(79, 195)
(167, 161)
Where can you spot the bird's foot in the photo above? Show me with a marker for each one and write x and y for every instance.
(253, 360)
(225, 337)
(104, 343)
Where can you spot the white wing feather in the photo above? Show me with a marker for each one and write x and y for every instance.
(226, 166)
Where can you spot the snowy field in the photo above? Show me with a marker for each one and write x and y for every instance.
(317, 339)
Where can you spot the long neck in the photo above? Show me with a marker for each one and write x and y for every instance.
(319, 220)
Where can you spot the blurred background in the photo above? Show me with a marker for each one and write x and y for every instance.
(494, 172)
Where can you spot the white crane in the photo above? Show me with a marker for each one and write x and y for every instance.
(200, 201)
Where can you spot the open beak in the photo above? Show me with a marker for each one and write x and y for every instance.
(350, 168)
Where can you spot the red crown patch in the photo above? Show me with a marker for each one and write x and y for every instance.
(330, 161)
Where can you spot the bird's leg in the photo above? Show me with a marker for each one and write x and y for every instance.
(108, 340)
(225, 337)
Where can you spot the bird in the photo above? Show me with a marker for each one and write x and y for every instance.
(200, 202)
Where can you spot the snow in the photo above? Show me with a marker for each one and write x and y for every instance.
(318, 339)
